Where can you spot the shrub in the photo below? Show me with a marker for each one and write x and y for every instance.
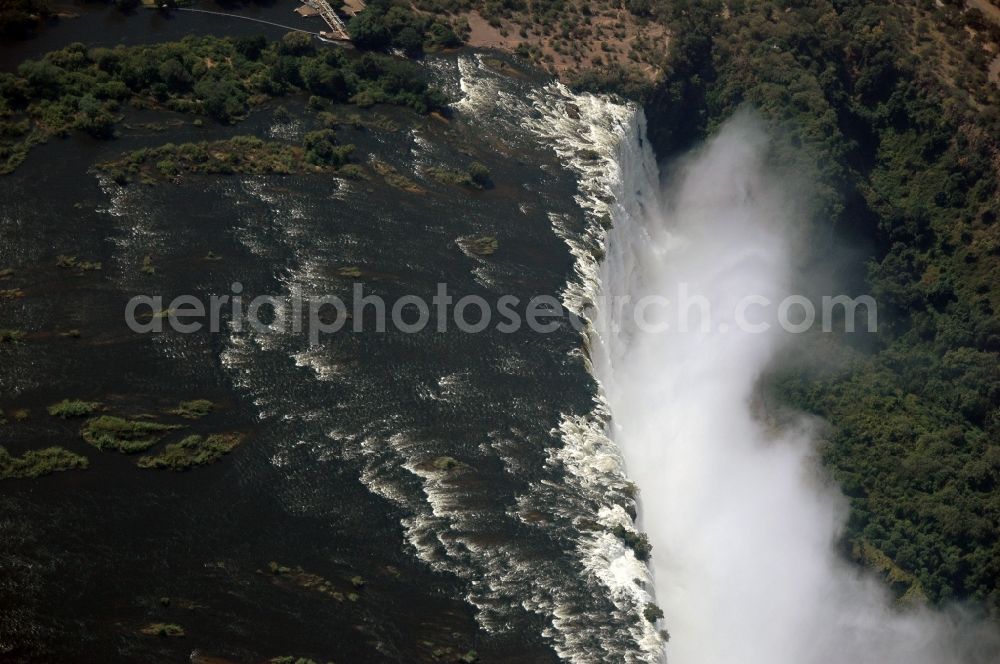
(638, 542)
(240, 154)
(67, 409)
(250, 47)
(652, 612)
(108, 433)
(322, 149)
(163, 629)
(440, 36)
(352, 172)
(296, 44)
(11, 336)
(368, 31)
(76, 89)
(476, 177)
(480, 245)
(191, 452)
(445, 463)
(381, 26)
(36, 463)
(193, 410)
(479, 175)
(323, 80)
(224, 100)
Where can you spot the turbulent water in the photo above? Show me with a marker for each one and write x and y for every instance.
(525, 522)
(507, 548)
(742, 522)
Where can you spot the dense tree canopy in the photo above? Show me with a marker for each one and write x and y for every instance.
(385, 24)
(86, 88)
(906, 165)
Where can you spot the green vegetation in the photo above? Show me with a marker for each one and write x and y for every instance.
(375, 121)
(449, 176)
(11, 336)
(479, 175)
(629, 82)
(352, 172)
(886, 106)
(480, 245)
(385, 24)
(193, 410)
(394, 178)
(87, 89)
(67, 409)
(35, 463)
(110, 433)
(278, 569)
(162, 629)
(64, 262)
(191, 452)
(476, 177)
(240, 154)
(591, 43)
(349, 272)
(299, 578)
(638, 542)
(906, 586)
(322, 149)
(652, 612)
(445, 463)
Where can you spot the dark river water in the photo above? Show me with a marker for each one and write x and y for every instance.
(503, 549)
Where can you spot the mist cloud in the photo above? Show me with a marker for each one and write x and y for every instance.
(743, 523)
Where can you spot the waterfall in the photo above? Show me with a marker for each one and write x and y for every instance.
(742, 520)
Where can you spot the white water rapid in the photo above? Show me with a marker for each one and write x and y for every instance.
(742, 523)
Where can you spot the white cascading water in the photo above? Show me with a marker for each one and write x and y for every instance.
(743, 525)
(742, 520)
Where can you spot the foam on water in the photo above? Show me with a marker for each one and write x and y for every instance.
(591, 594)
(598, 138)
(742, 519)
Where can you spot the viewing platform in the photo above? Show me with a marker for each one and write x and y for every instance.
(337, 29)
